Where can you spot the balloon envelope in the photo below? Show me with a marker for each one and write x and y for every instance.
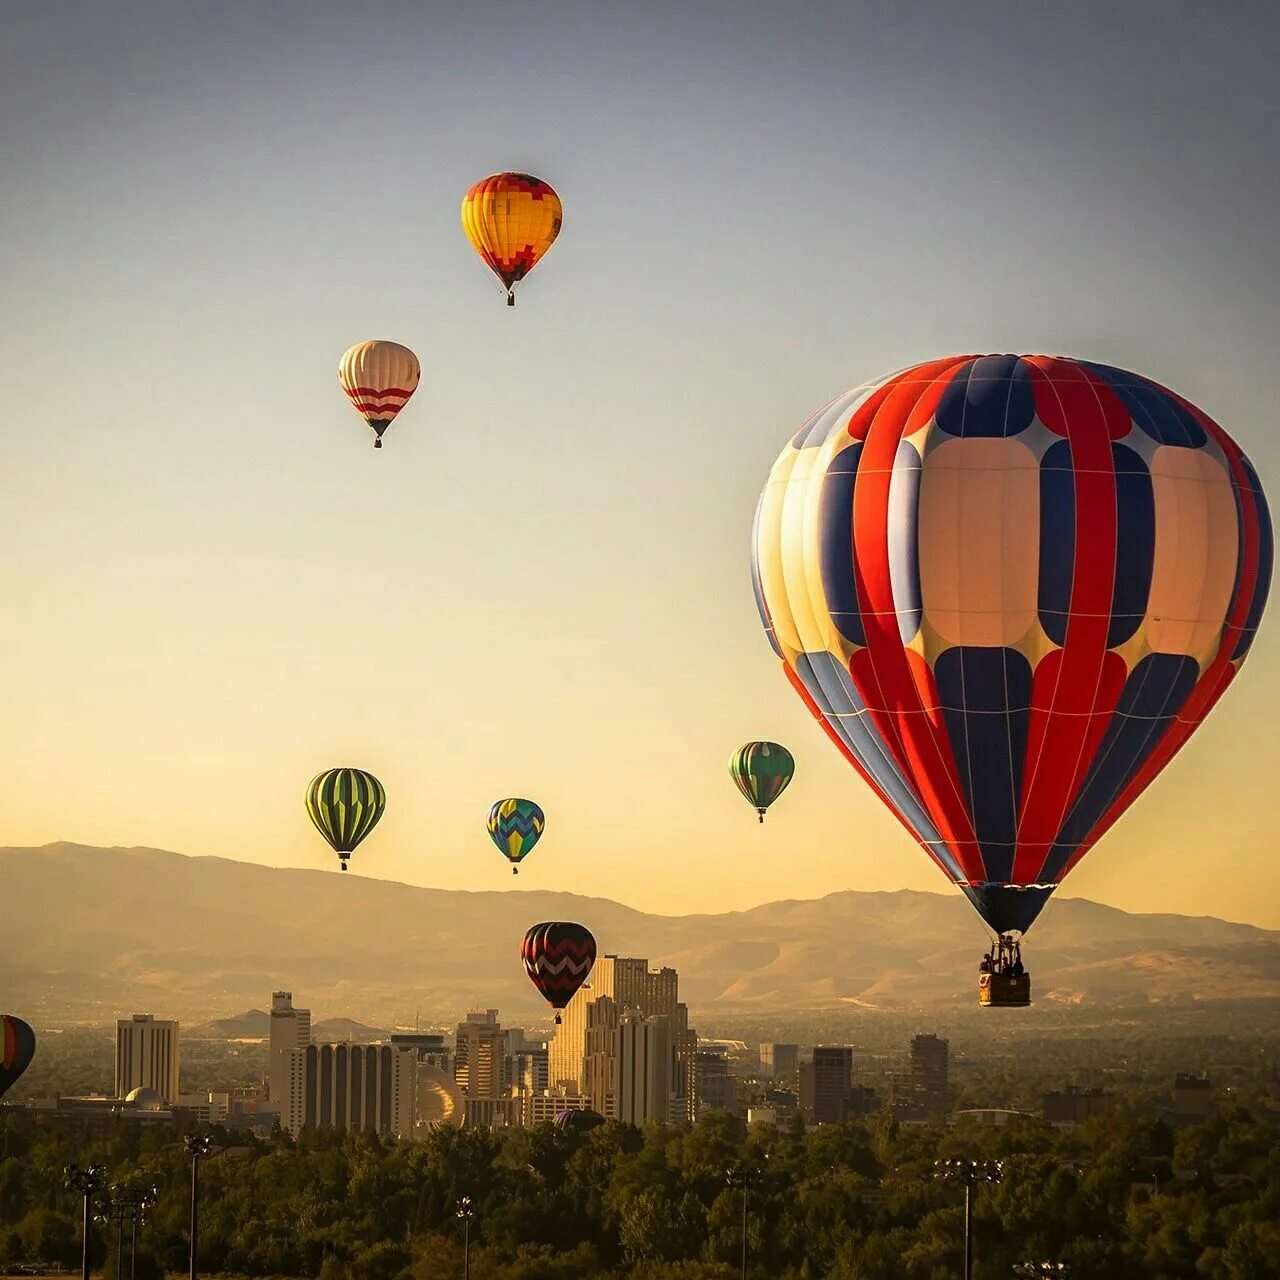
(1010, 588)
(345, 804)
(17, 1048)
(515, 826)
(762, 772)
(379, 377)
(579, 1121)
(511, 219)
(558, 956)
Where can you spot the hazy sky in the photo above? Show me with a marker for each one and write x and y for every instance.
(215, 587)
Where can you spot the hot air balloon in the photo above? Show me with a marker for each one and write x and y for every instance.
(511, 219)
(345, 805)
(558, 957)
(379, 377)
(17, 1048)
(515, 826)
(761, 771)
(579, 1121)
(1010, 588)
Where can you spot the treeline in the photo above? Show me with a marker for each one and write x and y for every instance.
(1118, 1200)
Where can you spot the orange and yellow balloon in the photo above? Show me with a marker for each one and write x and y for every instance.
(511, 219)
(379, 377)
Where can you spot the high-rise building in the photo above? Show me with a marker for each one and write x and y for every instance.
(529, 1069)
(546, 1107)
(629, 982)
(289, 1029)
(480, 1056)
(832, 1082)
(780, 1060)
(147, 1056)
(714, 1085)
(353, 1086)
(600, 1059)
(930, 1059)
(646, 1061)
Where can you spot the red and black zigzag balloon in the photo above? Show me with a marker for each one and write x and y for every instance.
(558, 956)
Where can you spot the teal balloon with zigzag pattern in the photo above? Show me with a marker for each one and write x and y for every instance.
(515, 826)
(762, 771)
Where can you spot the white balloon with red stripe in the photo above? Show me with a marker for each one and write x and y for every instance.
(379, 377)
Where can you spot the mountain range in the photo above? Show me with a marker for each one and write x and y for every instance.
(96, 933)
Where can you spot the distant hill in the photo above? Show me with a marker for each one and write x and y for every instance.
(201, 937)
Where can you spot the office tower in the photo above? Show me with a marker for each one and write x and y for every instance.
(353, 1086)
(632, 985)
(930, 1058)
(529, 1069)
(147, 1056)
(289, 1029)
(645, 1067)
(832, 1082)
(714, 1086)
(684, 1090)
(480, 1056)
(600, 1060)
(780, 1060)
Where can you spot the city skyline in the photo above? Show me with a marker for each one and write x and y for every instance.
(590, 459)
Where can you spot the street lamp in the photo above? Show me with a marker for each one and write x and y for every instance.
(1041, 1269)
(198, 1145)
(88, 1182)
(969, 1172)
(745, 1177)
(466, 1213)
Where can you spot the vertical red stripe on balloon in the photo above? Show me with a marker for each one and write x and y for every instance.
(1221, 671)
(900, 694)
(1075, 688)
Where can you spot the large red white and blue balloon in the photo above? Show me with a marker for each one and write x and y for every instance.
(1010, 588)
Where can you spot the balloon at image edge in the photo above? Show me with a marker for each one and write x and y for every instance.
(762, 771)
(378, 377)
(1010, 588)
(515, 826)
(511, 220)
(345, 804)
(558, 956)
(17, 1049)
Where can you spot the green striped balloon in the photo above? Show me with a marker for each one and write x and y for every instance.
(761, 771)
(345, 805)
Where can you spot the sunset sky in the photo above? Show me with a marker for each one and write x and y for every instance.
(215, 587)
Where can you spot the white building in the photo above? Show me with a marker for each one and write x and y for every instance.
(290, 1029)
(646, 1067)
(353, 1086)
(147, 1056)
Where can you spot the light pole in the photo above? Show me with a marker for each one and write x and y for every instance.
(741, 1176)
(969, 1172)
(466, 1212)
(111, 1212)
(131, 1200)
(198, 1145)
(88, 1182)
(1041, 1269)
